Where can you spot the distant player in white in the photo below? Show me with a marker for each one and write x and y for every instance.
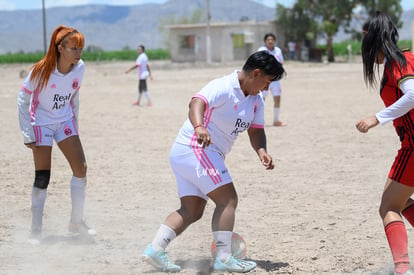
(143, 71)
(222, 110)
(48, 106)
(274, 87)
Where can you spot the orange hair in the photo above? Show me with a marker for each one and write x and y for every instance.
(44, 68)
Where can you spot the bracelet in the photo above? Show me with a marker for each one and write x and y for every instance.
(198, 125)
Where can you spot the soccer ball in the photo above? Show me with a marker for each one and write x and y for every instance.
(238, 247)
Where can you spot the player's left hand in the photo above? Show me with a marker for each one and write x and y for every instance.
(267, 161)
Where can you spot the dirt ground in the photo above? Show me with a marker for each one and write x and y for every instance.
(315, 213)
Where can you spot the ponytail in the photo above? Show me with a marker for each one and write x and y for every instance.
(44, 68)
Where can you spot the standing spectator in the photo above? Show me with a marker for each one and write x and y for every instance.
(292, 50)
(144, 71)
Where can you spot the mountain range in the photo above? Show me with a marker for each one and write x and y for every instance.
(117, 27)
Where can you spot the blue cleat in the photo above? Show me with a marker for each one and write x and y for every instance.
(234, 265)
(159, 259)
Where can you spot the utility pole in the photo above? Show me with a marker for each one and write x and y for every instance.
(44, 26)
(208, 38)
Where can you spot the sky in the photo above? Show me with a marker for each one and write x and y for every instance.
(37, 4)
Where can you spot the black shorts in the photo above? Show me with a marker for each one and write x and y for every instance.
(142, 87)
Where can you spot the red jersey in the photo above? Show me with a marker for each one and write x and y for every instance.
(391, 92)
(402, 169)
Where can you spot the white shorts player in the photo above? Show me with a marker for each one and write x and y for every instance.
(274, 87)
(228, 112)
(52, 113)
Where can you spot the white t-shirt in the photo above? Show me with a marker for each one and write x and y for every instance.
(276, 52)
(53, 104)
(274, 87)
(228, 113)
(142, 62)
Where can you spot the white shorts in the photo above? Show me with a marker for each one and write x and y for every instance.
(58, 132)
(198, 171)
(274, 88)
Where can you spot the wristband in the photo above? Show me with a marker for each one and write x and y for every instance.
(198, 125)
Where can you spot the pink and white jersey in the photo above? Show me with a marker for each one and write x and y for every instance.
(142, 62)
(228, 113)
(276, 52)
(53, 104)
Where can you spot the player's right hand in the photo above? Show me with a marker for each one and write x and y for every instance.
(203, 136)
(366, 123)
(31, 145)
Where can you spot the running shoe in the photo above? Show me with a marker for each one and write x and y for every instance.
(159, 259)
(136, 102)
(35, 237)
(81, 229)
(279, 124)
(234, 265)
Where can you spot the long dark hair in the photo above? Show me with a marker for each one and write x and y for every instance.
(380, 34)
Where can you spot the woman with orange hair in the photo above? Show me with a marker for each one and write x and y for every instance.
(48, 106)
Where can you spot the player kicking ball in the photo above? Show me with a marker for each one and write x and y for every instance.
(218, 113)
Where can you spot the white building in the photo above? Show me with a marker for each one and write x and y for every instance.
(229, 41)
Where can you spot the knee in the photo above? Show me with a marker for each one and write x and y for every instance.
(191, 215)
(231, 203)
(385, 209)
(42, 178)
(81, 170)
(84, 167)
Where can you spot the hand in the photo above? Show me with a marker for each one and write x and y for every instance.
(31, 145)
(266, 160)
(366, 123)
(203, 136)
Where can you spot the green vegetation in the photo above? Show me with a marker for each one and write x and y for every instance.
(153, 54)
(341, 49)
(308, 20)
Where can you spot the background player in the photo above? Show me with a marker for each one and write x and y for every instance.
(144, 71)
(274, 87)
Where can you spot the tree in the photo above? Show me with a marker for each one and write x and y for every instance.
(316, 18)
(391, 7)
(367, 8)
(329, 15)
(196, 17)
(295, 22)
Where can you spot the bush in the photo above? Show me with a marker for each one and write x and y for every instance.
(153, 54)
(341, 49)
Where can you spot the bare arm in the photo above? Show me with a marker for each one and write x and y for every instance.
(258, 142)
(149, 71)
(132, 68)
(196, 116)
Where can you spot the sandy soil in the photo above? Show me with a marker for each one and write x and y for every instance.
(316, 213)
